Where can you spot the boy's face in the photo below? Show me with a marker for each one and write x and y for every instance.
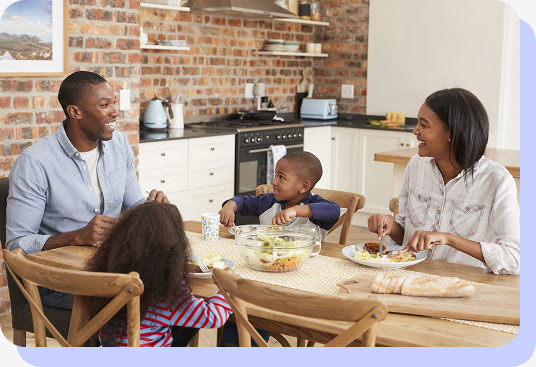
(287, 185)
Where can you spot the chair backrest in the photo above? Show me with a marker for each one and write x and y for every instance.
(393, 206)
(348, 200)
(123, 289)
(302, 307)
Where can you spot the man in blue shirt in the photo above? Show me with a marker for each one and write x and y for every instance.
(70, 187)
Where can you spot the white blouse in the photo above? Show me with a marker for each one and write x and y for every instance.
(481, 208)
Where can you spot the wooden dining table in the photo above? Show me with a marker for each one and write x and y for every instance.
(397, 330)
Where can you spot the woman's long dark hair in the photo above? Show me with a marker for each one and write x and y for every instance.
(466, 118)
(150, 240)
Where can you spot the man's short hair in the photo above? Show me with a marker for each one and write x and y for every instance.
(76, 86)
(306, 165)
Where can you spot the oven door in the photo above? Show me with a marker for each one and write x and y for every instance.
(250, 172)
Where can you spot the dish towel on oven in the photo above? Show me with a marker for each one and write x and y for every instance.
(275, 152)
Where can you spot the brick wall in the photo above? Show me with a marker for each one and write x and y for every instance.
(346, 42)
(103, 37)
(211, 76)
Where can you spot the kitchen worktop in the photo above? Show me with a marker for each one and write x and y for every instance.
(358, 121)
(186, 133)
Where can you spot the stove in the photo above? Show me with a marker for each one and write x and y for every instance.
(252, 143)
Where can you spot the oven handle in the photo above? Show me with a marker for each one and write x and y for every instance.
(267, 149)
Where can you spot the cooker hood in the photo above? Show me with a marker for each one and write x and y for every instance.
(241, 8)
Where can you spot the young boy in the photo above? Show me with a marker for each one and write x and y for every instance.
(292, 201)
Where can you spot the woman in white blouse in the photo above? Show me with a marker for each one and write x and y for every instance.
(455, 203)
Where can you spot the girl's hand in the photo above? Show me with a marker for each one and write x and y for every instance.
(425, 240)
(284, 216)
(381, 224)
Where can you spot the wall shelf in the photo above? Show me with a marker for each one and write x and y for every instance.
(284, 53)
(163, 7)
(162, 47)
(302, 21)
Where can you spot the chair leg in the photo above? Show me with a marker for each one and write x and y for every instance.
(300, 342)
(220, 335)
(195, 340)
(19, 337)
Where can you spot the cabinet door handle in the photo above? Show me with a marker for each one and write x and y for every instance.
(401, 144)
(407, 145)
(163, 154)
(212, 148)
(332, 138)
(211, 173)
(210, 200)
(162, 181)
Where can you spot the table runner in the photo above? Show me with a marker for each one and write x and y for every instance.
(319, 274)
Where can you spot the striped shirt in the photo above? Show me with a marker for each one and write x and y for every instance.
(482, 208)
(187, 311)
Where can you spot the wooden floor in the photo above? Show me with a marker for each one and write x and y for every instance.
(207, 336)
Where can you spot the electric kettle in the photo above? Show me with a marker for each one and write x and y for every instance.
(155, 115)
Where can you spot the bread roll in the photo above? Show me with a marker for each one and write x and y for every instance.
(422, 286)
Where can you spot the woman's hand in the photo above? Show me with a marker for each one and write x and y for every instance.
(381, 224)
(425, 240)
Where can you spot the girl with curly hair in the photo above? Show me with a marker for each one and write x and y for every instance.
(150, 239)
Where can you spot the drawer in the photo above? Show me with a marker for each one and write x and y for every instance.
(214, 148)
(168, 181)
(163, 154)
(210, 174)
(206, 200)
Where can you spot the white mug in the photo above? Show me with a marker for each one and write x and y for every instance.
(310, 48)
(177, 122)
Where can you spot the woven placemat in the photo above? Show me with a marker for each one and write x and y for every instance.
(319, 274)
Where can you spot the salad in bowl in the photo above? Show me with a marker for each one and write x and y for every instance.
(275, 248)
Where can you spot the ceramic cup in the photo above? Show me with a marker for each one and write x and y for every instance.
(318, 48)
(310, 48)
(210, 226)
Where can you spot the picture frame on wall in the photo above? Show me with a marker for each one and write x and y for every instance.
(33, 37)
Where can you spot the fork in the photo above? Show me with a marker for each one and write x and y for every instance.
(203, 267)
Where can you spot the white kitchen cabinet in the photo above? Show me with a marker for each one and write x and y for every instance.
(344, 159)
(375, 179)
(317, 140)
(196, 174)
(353, 167)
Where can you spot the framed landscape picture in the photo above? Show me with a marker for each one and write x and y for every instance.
(33, 37)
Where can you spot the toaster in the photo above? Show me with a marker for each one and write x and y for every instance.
(320, 109)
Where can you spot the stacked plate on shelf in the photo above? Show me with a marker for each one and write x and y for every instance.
(281, 45)
(176, 43)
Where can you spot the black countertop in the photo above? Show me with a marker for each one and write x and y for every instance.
(345, 120)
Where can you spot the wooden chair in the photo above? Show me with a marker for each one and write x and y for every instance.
(300, 308)
(393, 206)
(352, 202)
(124, 289)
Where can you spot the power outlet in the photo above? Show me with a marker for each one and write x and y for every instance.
(347, 91)
(249, 90)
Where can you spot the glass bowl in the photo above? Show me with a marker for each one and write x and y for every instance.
(274, 248)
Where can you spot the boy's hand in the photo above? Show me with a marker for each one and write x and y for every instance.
(284, 216)
(227, 213)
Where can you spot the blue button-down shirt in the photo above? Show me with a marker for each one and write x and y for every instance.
(50, 190)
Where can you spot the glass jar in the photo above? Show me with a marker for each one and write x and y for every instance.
(316, 13)
(292, 6)
(304, 10)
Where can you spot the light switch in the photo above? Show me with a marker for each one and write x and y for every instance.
(124, 99)
(347, 91)
(249, 90)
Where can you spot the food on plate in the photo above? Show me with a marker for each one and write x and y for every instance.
(210, 260)
(403, 257)
(374, 248)
(276, 254)
(422, 286)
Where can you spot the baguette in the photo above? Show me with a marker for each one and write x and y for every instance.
(422, 286)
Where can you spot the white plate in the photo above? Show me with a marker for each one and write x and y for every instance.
(228, 264)
(349, 252)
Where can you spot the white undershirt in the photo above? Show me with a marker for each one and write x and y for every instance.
(91, 158)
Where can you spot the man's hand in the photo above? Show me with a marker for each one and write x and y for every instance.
(381, 224)
(157, 196)
(96, 230)
(227, 213)
(284, 216)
